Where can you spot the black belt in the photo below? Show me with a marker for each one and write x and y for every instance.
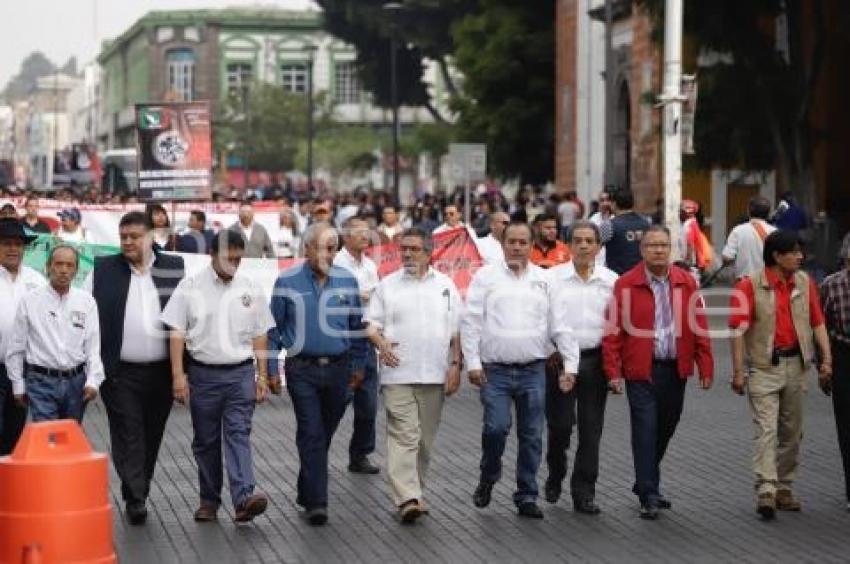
(56, 373)
(318, 360)
(230, 366)
(154, 364)
(789, 352)
(517, 364)
(664, 361)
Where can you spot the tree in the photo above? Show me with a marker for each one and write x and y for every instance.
(35, 66)
(756, 96)
(264, 128)
(423, 30)
(506, 53)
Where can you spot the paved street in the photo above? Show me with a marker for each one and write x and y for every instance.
(706, 475)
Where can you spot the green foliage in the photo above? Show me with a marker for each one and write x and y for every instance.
(507, 56)
(264, 129)
(753, 100)
(423, 28)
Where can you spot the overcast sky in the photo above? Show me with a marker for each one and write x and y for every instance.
(63, 28)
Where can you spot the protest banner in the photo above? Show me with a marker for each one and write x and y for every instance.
(174, 151)
(36, 254)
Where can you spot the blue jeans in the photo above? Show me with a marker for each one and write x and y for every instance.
(319, 397)
(365, 401)
(655, 408)
(222, 403)
(524, 385)
(53, 397)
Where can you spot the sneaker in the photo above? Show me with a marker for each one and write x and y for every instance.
(362, 466)
(481, 497)
(649, 511)
(586, 506)
(766, 506)
(785, 501)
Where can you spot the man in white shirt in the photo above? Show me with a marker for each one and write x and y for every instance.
(390, 227)
(131, 289)
(352, 257)
(581, 290)
(506, 347)
(70, 226)
(16, 280)
(57, 337)
(420, 363)
(490, 246)
(221, 319)
(745, 244)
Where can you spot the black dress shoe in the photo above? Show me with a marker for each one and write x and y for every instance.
(552, 491)
(481, 497)
(530, 509)
(649, 511)
(663, 502)
(137, 513)
(586, 506)
(362, 466)
(317, 516)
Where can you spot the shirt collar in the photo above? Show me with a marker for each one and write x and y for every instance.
(216, 280)
(570, 272)
(428, 275)
(148, 266)
(774, 279)
(650, 277)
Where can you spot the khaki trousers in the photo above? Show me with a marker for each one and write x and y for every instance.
(413, 416)
(776, 398)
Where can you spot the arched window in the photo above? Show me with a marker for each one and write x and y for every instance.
(180, 65)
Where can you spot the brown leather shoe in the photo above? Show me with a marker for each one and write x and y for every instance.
(766, 506)
(409, 512)
(785, 501)
(252, 506)
(206, 513)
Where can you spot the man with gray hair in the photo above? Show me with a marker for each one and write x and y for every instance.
(317, 312)
(490, 246)
(835, 298)
(745, 244)
(53, 357)
(420, 363)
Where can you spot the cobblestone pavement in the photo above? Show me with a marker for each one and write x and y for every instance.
(705, 474)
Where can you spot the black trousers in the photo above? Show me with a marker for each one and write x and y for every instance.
(138, 401)
(841, 405)
(589, 396)
(655, 409)
(12, 416)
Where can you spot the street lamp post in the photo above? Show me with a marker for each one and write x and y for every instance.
(393, 9)
(311, 57)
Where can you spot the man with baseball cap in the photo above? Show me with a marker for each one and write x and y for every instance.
(70, 228)
(16, 280)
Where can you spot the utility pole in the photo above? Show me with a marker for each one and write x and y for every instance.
(393, 8)
(672, 100)
(609, 93)
(311, 58)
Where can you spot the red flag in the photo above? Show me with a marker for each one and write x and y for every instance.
(387, 258)
(456, 255)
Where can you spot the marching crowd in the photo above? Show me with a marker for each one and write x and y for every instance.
(550, 325)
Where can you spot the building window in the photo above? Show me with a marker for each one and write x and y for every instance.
(293, 77)
(239, 77)
(181, 74)
(346, 83)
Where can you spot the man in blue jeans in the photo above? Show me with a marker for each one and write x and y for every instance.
(317, 311)
(506, 339)
(55, 344)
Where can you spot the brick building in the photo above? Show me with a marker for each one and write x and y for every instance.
(636, 132)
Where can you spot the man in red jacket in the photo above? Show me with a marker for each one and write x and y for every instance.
(656, 331)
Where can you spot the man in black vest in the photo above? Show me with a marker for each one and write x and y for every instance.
(622, 234)
(131, 289)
